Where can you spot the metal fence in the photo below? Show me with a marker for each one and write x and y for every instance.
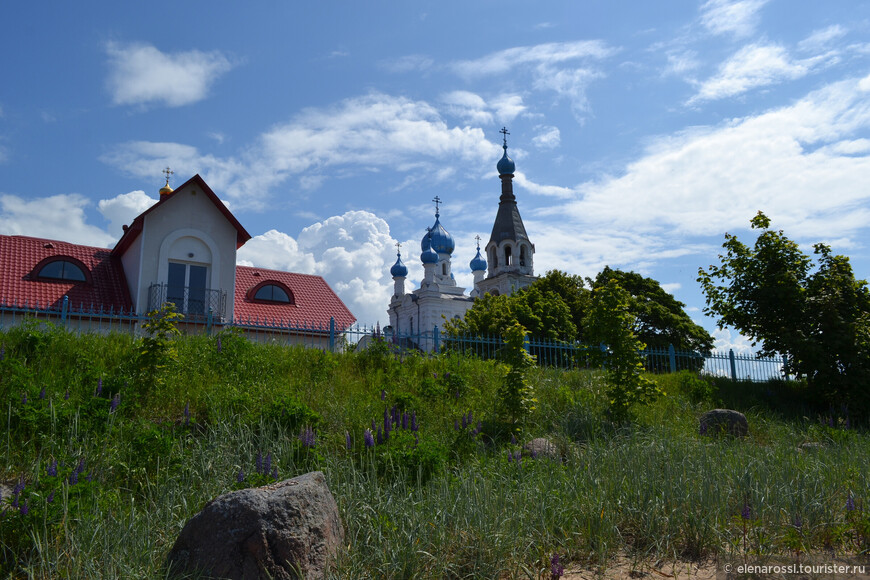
(549, 353)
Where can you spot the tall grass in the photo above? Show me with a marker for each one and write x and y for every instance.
(438, 503)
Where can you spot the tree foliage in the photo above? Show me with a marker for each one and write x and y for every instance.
(816, 315)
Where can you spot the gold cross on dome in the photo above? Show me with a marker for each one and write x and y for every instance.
(167, 172)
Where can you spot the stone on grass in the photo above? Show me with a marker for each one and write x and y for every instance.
(286, 530)
(541, 448)
(723, 422)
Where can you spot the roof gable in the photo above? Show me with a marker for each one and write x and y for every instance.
(134, 229)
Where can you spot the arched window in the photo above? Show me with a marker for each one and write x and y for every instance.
(62, 270)
(444, 269)
(522, 255)
(493, 258)
(271, 292)
(508, 258)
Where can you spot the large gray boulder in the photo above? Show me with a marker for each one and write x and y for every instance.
(723, 422)
(281, 531)
(540, 448)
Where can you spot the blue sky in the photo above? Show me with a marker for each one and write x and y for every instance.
(642, 131)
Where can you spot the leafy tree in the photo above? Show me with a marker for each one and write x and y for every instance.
(515, 398)
(660, 318)
(817, 316)
(609, 322)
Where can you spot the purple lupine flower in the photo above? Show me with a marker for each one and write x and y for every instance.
(556, 568)
(380, 436)
(383, 394)
(51, 470)
(187, 413)
(470, 418)
(267, 463)
(116, 400)
(513, 439)
(479, 427)
(374, 426)
(240, 476)
(24, 399)
(90, 477)
(259, 462)
(42, 394)
(464, 422)
(275, 472)
(394, 415)
(25, 508)
(368, 438)
(798, 522)
(416, 439)
(747, 512)
(348, 442)
(456, 424)
(404, 420)
(414, 426)
(50, 497)
(73, 478)
(81, 466)
(533, 453)
(510, 456)
(307, 437)
(850, 503)
(99, 386)
(66, 395)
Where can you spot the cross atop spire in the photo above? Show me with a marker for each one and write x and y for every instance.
(437, 201)
(478, 241)
(168, 173)
(505, 133)
(399, 248)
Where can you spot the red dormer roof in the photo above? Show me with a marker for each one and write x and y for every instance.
(314, 301)
(133, 231)
(21, 258)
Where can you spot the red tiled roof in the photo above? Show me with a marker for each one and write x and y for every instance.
(315, 302)
(19, 255)
(135, 228)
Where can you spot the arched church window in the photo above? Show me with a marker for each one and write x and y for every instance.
(62, 270)
(443, 269)
(493, 257)
(522, 255)
(508, 258)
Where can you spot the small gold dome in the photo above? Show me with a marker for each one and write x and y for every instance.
(165, 190)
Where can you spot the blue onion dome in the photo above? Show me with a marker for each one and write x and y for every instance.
(429, 256)
(438, 238)
(505, 165)
(478, 263)
(399, 270)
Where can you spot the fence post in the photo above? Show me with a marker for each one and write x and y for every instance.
(64, 309)
(331, 334)
(733, 364)
(436, 335)
(672, 355)
(208, 322)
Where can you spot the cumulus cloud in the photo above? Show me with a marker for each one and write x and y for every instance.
(753, 66)
(122, 209)
(821, 39)
(45, 217)
(547, 138)
(738, 18)
(353, 252)
(140, 74)
(468, 106)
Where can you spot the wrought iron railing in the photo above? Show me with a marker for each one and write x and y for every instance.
(192, 302)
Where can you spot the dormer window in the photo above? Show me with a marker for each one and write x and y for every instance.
(62, 270)
(272, 292)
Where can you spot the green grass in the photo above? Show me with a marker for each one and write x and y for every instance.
(448, 506)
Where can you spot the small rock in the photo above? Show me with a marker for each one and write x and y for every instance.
(723, 422)
(810, 446)
(541, 448)
(280, 531)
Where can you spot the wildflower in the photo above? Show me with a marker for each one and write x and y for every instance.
(66, 395)
(267, 464)
(90, 477)
(259, 462)
(187, 413)
(24, 399)
(510, 456)
(850, 503)
(556, 568)
(456, 424)
(513, 439)
(116, 400)
(383, 394)
(404, 420)
(51, 470)
(99, 386)
(240, 476)
(275, 472)
(348, 442)
(73, 478)
(464, 422)
(50, 497)
(533, 453)
(307, 437)
(81, 466)
(747, 512)
(42, 394)
(414, 426)
(25, 508)
(368, 438)
(380, 435)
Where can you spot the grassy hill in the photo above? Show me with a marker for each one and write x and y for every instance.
(111, 444)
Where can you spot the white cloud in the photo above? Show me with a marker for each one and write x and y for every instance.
(547, 138)
(751, 67)
(46, 217)
(820, 39)
(738, 18)
(468, 106)
(786, 162)
(123, 209)
(409, 63)
(508, 107)
(508, 60)
(140, 74)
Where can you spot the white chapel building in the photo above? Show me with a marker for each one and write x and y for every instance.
(509, 266)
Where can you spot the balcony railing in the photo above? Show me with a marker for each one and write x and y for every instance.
(192, 302)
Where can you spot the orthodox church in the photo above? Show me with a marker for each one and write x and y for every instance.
(508, 267)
